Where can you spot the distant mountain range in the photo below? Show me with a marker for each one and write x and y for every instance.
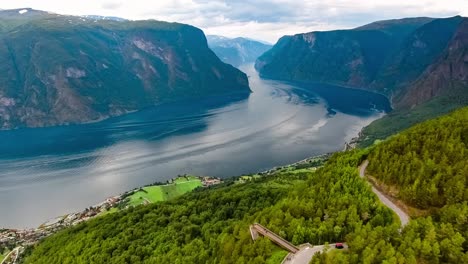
(410, 60)
(60, 69)
(237, 51)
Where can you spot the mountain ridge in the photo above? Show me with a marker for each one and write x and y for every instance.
(368, 55)
(68, 69)
(237, 51)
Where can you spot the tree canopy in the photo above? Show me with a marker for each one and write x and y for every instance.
(332, 204)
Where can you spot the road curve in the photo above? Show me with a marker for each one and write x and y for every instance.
(304, 256)
(16, 251)
(404, 218)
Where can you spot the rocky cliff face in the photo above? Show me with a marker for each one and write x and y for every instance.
(63, 69)
(414, 55)
(447, 75)
(410, 60)
(237, 51)
(343, 57)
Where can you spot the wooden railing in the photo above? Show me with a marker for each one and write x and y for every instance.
(257, 229)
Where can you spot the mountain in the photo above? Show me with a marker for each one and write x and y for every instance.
(65, 69)
(97, 17)
(410, 60)
(447, 74)
(302, 205)
(237, 51)
(401, 119)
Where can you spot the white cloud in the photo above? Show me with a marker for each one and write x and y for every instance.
(261, 19)
(111, 5)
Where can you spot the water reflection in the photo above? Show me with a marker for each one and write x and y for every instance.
(52, 171)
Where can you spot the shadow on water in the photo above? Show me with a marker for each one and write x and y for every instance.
(154, 123)
(65, 169)
(340, 99)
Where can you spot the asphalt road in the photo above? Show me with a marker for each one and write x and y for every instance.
(404, 218)
(306, 253)
(16, 250)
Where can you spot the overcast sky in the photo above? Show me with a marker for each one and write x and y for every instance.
(259, 19)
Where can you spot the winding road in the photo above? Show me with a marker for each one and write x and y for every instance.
(304, 253)
(404, 218)
(7, 257)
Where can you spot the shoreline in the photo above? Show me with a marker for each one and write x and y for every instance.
(30, 236)
(267, 172)
(24, 238)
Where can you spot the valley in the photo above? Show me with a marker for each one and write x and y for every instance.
(237, 51)
(330, 204)
(418, 63)
(127, 139)
(66, 169)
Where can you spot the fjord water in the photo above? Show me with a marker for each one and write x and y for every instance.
(47, 172)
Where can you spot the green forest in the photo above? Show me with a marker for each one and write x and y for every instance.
(331, 204)
(428, 163)
(212, 225)
(401, 119)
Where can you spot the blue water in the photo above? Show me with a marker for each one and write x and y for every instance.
(46, 172)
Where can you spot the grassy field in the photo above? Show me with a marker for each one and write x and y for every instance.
(159, 193)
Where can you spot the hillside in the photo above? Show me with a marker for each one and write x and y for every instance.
(401, 119)
(328, 205)
(427, 163)
(63, 69)
(236, 51)
(410, 60)
(212, 226)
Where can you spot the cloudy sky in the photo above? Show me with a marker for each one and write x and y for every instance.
(260, 19)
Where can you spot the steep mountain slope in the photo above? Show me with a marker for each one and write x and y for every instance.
(401, 119)
(328, 205)
(63, 69)
(346, 57)
(427, 163)
(212, 225)
(447, 75)
(418, 51)
(408, 60)
(237, 51)
(428, 77)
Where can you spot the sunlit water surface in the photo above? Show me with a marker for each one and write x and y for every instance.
(48, 172)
